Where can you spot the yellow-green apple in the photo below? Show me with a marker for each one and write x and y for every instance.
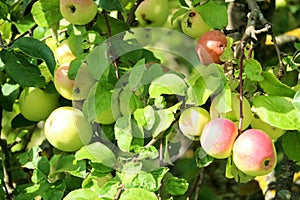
(84, 81)
(272, 131)
(78, 12)
(192, 121)
(64, 54)
(210, 46)
(67, 129)
(36, 104)
(193, 25)
(234, 114)
(254, 153)
(62, 83)
(152, 12)
(218, 137)
(106, 117)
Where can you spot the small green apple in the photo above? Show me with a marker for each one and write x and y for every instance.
(62, 83)
(152, 12)
(254, 153)
(193, 25)
(67, 129)
(192, 121)
(218, 137)
(36, 104)
(272, 131)
(106, 117)
(78, 12)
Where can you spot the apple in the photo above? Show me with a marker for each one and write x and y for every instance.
(78, 12)
(210, 47)
(84, 81)
(192, 121)
(62, 83)
(36, 104)
(193, 25)
(64, 54)
(234, 114)
(106, 117)
(254, 153)
(152, 12)
(102, 180)
(218, 137)
(67, 129)
(272, 131)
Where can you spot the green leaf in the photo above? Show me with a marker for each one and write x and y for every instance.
(290, 144)
(277, 111)
(273, 87)
(37, 49)
(163, 120)
(174, 185)
(22, 71)
(116, 25)
(178, 13)
(233, 172)
(123, 132)
(46, 13)
(4, 9)
(202, 158)
(111, 5)
(296, 100)
(20, 121)
(145, 180)
(223, 100)
(29, 159)
(167, 84)
(8, 89)
(108, 190)
(42, 170)
(145, 117)
(137, 194)
(98, 153)
(214, 14)
(253, 70)
(81, 194)
(61, 163)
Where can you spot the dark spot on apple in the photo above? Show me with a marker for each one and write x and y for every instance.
(72, 8)
(192, 14)
(189, 23)
(266, 163)
(76, 90)
(146, 20)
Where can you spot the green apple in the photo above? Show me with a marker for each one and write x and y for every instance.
(64, 54)
(106, 117)
(192, 121)
(36, 104)
(84, 81)
(152, 12)
(272, 131)
(62, 83)
(193, 25)
(218, 137)
(67, 129)
(102, 180)
(254, 153)
(78, 12)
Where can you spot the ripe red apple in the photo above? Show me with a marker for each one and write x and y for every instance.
(254, 153)
(192, 121)
(78, 12)
(218, 137)
(62, 83)
(210, 47)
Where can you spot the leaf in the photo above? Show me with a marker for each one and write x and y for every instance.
(253, 70)
(29, 159)
(108, 190)
(290, 145)
(137, 194)
(23, 72)
(296, 100)
(46, 13)
(66, 163)
(163, 120)
(145, 117)
(178, 13)
(123, 132)
(20, 121)
(223, 100)
(37, 49)
(273, 87)
(233, 172)
(174, 185)
(81, 194)
(98, 153)
(202, 158)
(277, 111)
(42, 170)
(214, 14)
(111, 5)
(145, 180)
(8, 88)
(167, 84)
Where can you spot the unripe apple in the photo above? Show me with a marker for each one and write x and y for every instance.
(67, 129)
(218, 137)
(152, 12)
(78, 12)
(64, 54)
(254, 153)
(36, 104)
(106, 117)
(272, 131)
(62, 83)
(192, 121)
(193, 25)
(210, 47)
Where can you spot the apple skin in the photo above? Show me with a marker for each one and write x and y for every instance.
(36, 104)
(254, 153)
(152, 12)
(192, 121)
(106, 117)
(67, 129)
(272, 131)
(218, 137)
(193, 25)
(62, 83)
(210, 47)
(78, 12)
(64, 54)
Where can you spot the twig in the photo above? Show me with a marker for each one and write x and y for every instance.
(241, 85)
(131, 16)
(118, 194)
(281, 66)
(29, 31)
(197, 185)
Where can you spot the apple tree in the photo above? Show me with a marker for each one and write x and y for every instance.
(149, 99)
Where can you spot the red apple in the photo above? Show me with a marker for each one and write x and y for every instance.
(210, 47)
(254, 153)
(218, 137)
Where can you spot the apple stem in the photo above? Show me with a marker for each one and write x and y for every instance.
(131, 16)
